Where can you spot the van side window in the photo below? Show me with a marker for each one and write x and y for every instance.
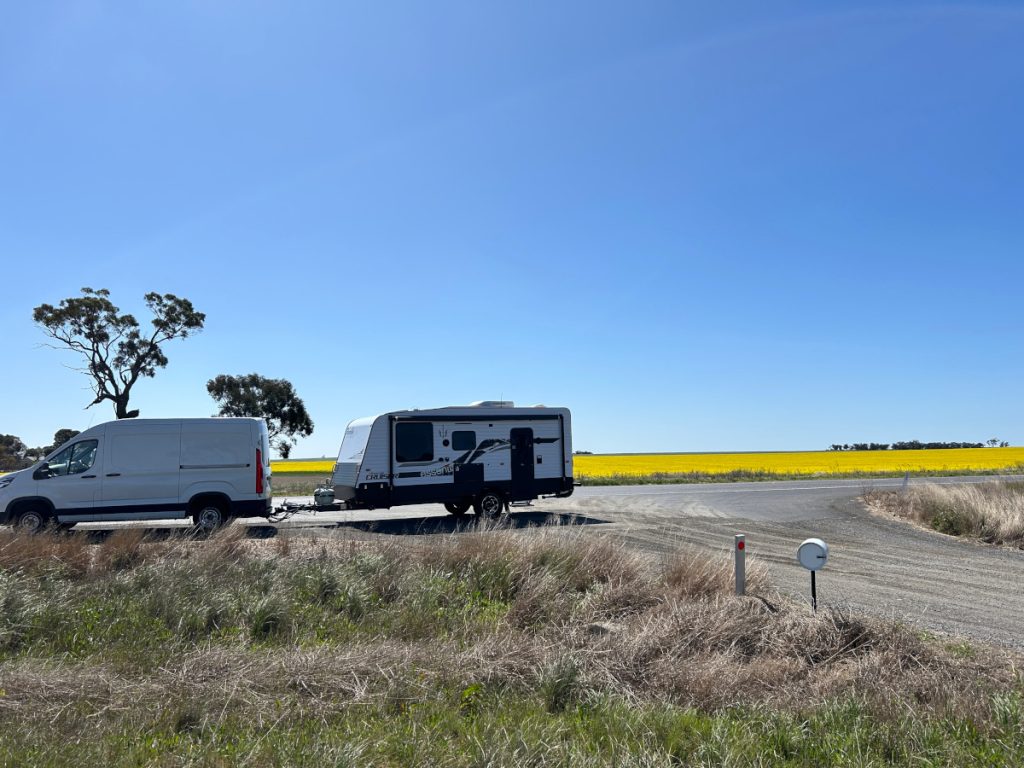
(75, 459)
(463, 441)
(414, 441)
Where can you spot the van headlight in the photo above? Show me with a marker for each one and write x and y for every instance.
(6, 480)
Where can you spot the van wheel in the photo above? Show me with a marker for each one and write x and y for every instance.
(209, 517)
(489, 504)
(30, 521)
(457, 508)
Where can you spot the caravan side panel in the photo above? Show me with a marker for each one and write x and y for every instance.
(376, 466)
(453, 454)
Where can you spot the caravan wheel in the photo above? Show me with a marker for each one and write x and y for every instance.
(489, 504)
(457, 508)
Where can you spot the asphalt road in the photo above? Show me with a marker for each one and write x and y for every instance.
(880, 566)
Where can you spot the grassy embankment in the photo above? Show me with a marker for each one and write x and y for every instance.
(301, 477)
(485, 648)
(992, 512)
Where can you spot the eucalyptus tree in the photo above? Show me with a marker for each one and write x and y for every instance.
(117, 352)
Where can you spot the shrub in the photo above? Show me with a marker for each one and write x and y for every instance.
(993, 512)
(558, 683)
(268, 617)
(123, 550)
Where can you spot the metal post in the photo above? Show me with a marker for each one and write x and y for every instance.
(740, 548)
(814, 594)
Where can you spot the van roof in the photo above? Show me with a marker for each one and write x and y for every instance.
(140, 423)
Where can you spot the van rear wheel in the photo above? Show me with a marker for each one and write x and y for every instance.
(209, 516)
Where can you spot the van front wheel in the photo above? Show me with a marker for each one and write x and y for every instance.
(209, 517)
(30, 521)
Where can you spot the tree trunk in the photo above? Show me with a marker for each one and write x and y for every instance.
(121, 409)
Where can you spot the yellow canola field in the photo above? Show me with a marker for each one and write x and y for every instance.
(796, 463)
(800, 463)
(302, 465)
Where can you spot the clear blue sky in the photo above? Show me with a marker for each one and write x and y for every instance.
(701, 226)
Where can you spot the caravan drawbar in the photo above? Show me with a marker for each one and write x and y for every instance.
(485, 455)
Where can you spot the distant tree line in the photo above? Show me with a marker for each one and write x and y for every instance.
(15, 455)
(915, 445)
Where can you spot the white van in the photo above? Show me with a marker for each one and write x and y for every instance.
(146, 469)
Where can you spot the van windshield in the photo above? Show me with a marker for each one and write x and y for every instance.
(354, 443)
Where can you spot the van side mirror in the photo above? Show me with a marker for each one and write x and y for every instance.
(42, 473)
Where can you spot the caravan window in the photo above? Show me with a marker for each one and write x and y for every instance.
(463, 441)
(414, 441)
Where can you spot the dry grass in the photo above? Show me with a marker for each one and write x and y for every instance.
(39, 554)
(992, 512)
(77, 554)
(708, 656)
(485, 647)
(691, 574)
(556, 611)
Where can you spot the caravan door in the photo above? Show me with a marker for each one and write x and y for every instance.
(522, 463)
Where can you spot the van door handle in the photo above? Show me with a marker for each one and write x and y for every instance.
(88, 477)
(113, 474)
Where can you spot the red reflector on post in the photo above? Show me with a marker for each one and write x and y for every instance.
(741, 545)
(259, 471)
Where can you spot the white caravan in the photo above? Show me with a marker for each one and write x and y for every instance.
(146, 469)
(485, 455)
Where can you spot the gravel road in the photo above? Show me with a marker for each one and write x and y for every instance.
(879, 566)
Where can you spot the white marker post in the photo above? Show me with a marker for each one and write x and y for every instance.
(740, 548)
(813, 554)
